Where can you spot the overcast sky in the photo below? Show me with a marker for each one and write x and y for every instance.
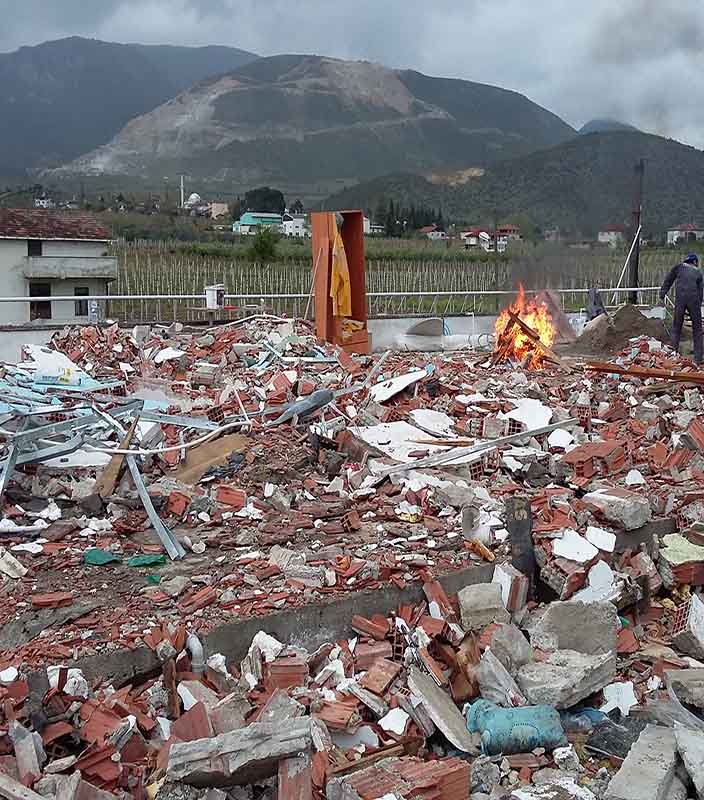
(637, 60)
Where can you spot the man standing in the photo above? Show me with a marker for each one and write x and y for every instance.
(688, 297)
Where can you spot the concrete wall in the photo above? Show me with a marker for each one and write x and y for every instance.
(306, 626)
(82, 249)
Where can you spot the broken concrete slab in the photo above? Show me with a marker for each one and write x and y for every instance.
(680, 561)
(442, 710)
(589, 628)
(688, 685)
(230, 713)
(623, 507)
(481, 605)
(566, 677)
(690, 746)
(238, 757)
(11, 789)
(649, 768)
(29, 752)
(558, 789)
(511, 647)
(280, 707)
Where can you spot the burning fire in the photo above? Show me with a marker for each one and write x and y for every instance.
(512, 341)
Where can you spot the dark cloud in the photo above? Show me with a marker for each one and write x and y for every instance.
(634, 31)
(637, 60)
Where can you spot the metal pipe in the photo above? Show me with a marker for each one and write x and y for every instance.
(195, 650)
(454, 293)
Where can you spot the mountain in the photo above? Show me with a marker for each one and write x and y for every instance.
(580, 185)
(605, 126)
(63, 98)
(311, 118)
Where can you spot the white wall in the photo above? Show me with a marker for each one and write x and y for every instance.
(13, 283)
(65, 310)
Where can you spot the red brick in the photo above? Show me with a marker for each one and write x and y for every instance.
(231, 496)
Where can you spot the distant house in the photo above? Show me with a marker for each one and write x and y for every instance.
(433, 233)
(613, 235)
(688, 232)
(52, 253)
(508, 233)
(44, 202)
(552, 235)
(470, 237)
(377, 230)
(250, 222)
(295, 225)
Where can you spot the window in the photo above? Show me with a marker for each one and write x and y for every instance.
(42, 308)
(81, 306)
(34, 247)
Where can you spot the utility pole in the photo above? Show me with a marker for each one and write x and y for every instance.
(634, 265)
(182, 192)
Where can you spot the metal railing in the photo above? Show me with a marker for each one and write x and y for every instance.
(132, 308)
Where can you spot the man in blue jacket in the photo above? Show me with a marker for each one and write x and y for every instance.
(688, 297)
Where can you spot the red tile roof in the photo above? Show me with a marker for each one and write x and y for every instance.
(689, 226)
(38, 223)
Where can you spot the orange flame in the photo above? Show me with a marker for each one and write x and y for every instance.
(518, 344)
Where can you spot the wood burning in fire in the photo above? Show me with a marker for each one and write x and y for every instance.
(524, 332)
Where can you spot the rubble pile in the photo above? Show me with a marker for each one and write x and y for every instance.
(242, 563)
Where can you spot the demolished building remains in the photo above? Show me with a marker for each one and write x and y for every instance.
(241, 562)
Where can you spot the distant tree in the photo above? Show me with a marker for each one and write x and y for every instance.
(264, 246)
(236, 208)
(297, 207)
(265, 200)
(380, 212)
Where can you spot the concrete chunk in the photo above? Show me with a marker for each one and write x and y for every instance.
(480, 605)
(239, 757)
(690, 745)
(559, 789)
(649, 768)
(442, 710)
(572, 625)
(621, 506)
(566, 677)
(688, 685)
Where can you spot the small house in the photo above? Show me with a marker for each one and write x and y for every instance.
(612, 235)
(688, 232)
(295, 226)
(47, 254)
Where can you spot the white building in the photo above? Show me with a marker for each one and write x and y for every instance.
(52, 254)
(44, 202)
(295, 225)
(685, 233)
(613, 235)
